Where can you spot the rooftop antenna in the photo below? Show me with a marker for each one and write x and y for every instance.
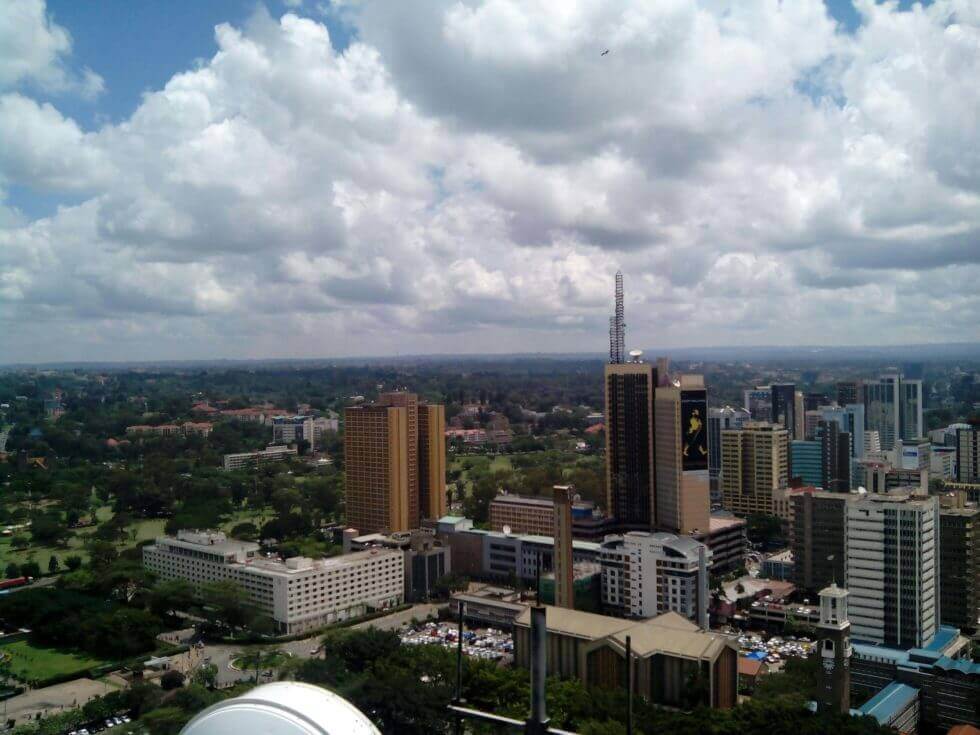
(617, 326)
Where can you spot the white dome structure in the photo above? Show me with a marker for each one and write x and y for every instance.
(282, 708)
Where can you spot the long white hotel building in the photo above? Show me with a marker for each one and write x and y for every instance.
(299, 594)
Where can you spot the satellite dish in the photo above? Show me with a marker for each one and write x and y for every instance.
(506, 530)
(635, 355)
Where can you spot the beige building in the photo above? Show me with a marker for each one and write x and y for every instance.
(564, 574)
(522, 514)
(754, 464)
(669, 652)
(683, 500)
(630, 472)
(395, 463)
(299, 594)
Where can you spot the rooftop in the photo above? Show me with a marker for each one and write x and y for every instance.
(889, 702)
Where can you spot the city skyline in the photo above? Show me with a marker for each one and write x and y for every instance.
(293, 179)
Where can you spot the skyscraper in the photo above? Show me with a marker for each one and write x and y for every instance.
(848, 391)
(893, 408)
(968, 453)
(718, 420)
(758, 402)
(805, 462)
(819, 539)
(784, 406)
(681, 456)
(892, 568)
(849, 418)
(630, 467)
(835, 457)
(959, 565)
(754, 462)
(394, 461)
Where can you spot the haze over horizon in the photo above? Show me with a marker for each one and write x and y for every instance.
(293, 179)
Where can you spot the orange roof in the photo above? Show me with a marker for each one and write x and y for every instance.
(595, 428)
(749, 667)
(963, 730)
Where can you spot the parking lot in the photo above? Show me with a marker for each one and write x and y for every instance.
(486, 643)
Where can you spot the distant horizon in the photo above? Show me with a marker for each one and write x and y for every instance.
(738, 352)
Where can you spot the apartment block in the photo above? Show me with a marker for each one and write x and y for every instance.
(395, 460)
(968, 454)
(245, 460)
(754, 463)
(648, 574)
(819, 538)
(300, 593)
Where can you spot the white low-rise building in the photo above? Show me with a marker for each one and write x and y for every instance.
(648, 574)
(274, 453)
(300, 593)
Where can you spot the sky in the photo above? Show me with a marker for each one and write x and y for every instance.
(362, 177)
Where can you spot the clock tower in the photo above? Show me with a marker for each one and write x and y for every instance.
(834, 642)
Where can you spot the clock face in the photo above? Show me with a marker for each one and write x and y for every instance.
(828, 664)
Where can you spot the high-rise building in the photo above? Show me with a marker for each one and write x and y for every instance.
(648, 574)
(630, 467)
(835, 457)
(805, 462)
(758, 402)
(754, 462)
(814, 401)
(968, 453)
(799, 415)
(893, 568)
(819, 539)
(959, 567)
(893, 408)
(681, 456)
(849, 418)
(834, 628)
(784, 406)
(720, 419)
(390, 485)
(849, 391)
(564, 573)
(432, 460)
(872, 443)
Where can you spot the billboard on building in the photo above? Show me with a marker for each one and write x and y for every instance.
(694, 429)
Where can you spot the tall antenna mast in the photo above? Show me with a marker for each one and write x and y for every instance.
(617, 327)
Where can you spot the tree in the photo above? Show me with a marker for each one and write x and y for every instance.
(165, 720)
(206, 676)
(13, 571)
(246, 531)
(172, 596)
(171, 679)
(30, 569)
(73, 562)
(53, 564)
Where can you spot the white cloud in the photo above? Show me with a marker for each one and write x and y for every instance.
(33, 49)
(468, 177)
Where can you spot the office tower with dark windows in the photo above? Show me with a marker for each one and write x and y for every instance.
(630, 387)
(394, 462)
(681, 456)
(754, 463)
(805, 462)
(959, 567)
(718, 420)
(819, 539)
(893, 408)
(564, 496)
(784, 406)
(758, 402)
(849, 391)
(968, 453)
(835, 457)
(630, 469)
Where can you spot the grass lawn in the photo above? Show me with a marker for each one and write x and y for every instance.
(29, 662)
